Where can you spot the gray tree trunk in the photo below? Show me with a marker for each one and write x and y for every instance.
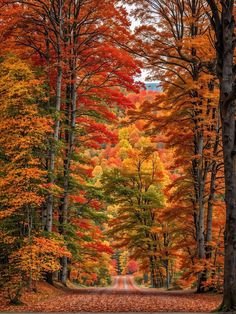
(51, 168)
(223, 23)
(57, 22)
(70, 139)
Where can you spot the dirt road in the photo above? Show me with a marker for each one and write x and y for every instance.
(122, 296)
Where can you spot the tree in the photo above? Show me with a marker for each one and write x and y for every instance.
(223, 23)
(23, 133)
(132, 266)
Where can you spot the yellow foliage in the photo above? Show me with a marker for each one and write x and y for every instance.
(39, 255)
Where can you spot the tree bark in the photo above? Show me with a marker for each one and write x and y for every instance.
(210, 210)
(228, 130)
(223, 24)
(48, 220)
(69, 139)
(229, 150)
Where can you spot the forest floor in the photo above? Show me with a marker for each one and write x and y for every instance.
(122, 296)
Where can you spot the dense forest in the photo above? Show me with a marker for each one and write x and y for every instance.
(100, 176)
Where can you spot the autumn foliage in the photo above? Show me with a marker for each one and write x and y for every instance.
(100, 177)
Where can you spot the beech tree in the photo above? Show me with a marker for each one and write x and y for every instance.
(223, 23)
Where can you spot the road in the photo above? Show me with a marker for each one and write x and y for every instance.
(122, 284)
(122, 296)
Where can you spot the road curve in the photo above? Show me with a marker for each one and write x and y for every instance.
(123, 283)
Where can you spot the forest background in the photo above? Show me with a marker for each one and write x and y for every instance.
(95, 170)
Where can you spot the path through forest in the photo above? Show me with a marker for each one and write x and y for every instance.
(122, 296)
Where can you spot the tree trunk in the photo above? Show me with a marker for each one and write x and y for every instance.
(53, 145)
(64, 270)
(154, 280)
(223, 24)
(166, 261)
(167, 274)
(200, 173)
(49, 278)
(69, 139)
(48, 60)
(51, 170)
(228, 130)
(210, 210)
(227, 109)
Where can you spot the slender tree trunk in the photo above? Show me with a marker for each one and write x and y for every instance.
(64, 270)
(167, 274)
(63, 206)
(213, 172)
(154, 281)
(52, 152)
(70, 139)
(210, 210)
(200, 173)
(166, 261)
(48, 212)
(51, 169)
(48, 59)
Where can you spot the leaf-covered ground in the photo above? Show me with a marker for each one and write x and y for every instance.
(124, 296)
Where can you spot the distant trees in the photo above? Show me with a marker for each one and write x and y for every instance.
(134, 184)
